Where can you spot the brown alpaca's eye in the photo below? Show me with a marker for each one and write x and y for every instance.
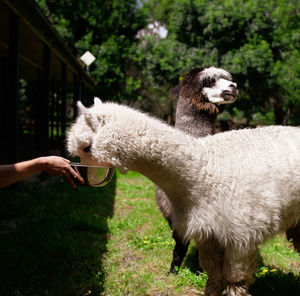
(87, 149)
(209, 82)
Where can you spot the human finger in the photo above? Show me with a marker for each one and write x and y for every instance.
(70, 179)
(75, 174)
(66, 160)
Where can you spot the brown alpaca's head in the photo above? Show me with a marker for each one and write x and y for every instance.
(207, 88)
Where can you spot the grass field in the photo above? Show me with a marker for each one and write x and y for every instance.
(56, 240)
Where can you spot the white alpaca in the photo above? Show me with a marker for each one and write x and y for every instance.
(229, 192)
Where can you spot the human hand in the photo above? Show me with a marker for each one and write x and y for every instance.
(59, 166)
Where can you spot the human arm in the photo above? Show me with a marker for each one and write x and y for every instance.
(52, 165)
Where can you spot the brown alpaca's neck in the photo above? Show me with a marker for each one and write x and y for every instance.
(197, 123)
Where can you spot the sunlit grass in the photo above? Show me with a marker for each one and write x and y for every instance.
(280, 254)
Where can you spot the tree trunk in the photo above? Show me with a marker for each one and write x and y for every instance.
(278, 110)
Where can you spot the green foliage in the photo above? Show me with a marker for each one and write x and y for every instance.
(107, 29)
(162, 60)
(257, 41)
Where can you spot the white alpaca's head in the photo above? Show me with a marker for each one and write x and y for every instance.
(81, 136)
(100, 132)
(207, 88)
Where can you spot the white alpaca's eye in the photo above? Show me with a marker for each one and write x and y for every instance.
(87, 149)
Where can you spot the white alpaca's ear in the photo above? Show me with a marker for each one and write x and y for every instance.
(97, 101)
(81, 108)
(92, 120)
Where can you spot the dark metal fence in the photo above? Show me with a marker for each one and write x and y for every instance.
(40, 82)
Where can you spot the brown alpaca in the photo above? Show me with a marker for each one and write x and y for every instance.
(202, 95)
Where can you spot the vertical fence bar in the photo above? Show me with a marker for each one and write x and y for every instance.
(44, 103)
(12, 102)
(63, 109)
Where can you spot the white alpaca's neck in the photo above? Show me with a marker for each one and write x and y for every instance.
(161, 153)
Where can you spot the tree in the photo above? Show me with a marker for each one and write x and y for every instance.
(257, 41)
(107, 28)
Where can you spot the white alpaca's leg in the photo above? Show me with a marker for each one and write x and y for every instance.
(211, 260)
(238, 270)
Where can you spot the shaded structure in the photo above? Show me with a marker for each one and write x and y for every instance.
(40, 81)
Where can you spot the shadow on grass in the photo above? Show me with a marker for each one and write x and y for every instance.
(274, 282)
(53, 237)
(277, 283)
(191, 260)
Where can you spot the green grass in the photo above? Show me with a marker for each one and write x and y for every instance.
(56, 240)
(53, 237)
